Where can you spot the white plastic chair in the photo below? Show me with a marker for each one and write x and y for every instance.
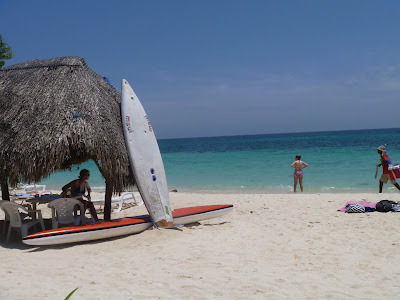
(17, 220)
(22, 193)
(6, 216)
(119, 200)
(36, 189)
(63, 212)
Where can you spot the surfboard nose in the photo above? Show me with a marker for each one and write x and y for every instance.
(125, 87)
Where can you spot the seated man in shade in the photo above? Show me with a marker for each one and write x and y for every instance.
(77, 189)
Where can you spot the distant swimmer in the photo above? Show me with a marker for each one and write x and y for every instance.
(298, 166)
(385, 161)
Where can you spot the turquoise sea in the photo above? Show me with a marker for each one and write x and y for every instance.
(339, 161)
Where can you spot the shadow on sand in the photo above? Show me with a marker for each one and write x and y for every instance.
(16, 240)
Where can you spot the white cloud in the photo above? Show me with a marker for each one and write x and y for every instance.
(275, 103)
(377, 79)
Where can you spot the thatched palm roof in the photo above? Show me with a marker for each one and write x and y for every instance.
(55, 113)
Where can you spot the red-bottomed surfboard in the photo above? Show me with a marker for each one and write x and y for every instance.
(120, 227)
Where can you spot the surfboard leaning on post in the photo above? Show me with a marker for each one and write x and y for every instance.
(145, 158)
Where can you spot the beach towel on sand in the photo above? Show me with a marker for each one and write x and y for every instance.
(366, 204)
(396, 207)
(355, 208)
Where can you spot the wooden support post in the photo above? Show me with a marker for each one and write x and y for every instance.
(5, 195)
(107, 204)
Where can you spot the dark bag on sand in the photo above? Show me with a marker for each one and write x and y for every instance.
(384, 205)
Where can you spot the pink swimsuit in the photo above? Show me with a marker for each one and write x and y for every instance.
(298, 173)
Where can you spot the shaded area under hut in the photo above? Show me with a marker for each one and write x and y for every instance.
(56, 113)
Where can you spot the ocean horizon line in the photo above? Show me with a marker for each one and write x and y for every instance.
(277, 133)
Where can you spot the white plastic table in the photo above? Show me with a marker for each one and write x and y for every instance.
(42, 200)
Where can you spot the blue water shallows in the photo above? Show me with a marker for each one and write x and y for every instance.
(339, 161)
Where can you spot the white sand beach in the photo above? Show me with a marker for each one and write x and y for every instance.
(271, 246)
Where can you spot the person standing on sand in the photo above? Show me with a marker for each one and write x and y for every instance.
(298, 166)
(385, 174)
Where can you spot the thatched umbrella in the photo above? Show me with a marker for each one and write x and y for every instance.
(56, 113)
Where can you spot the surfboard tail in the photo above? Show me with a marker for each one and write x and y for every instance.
(164, 224)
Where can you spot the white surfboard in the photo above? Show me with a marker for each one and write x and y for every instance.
(120, 227)
(145, 158)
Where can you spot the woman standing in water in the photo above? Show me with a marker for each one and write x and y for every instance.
(298, 166)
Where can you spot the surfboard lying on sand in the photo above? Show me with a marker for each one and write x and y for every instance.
(145, 158)
(122, 226)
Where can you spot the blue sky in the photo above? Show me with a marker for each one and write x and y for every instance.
(210, 68)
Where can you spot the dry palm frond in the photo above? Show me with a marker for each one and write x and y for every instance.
(56, 113)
